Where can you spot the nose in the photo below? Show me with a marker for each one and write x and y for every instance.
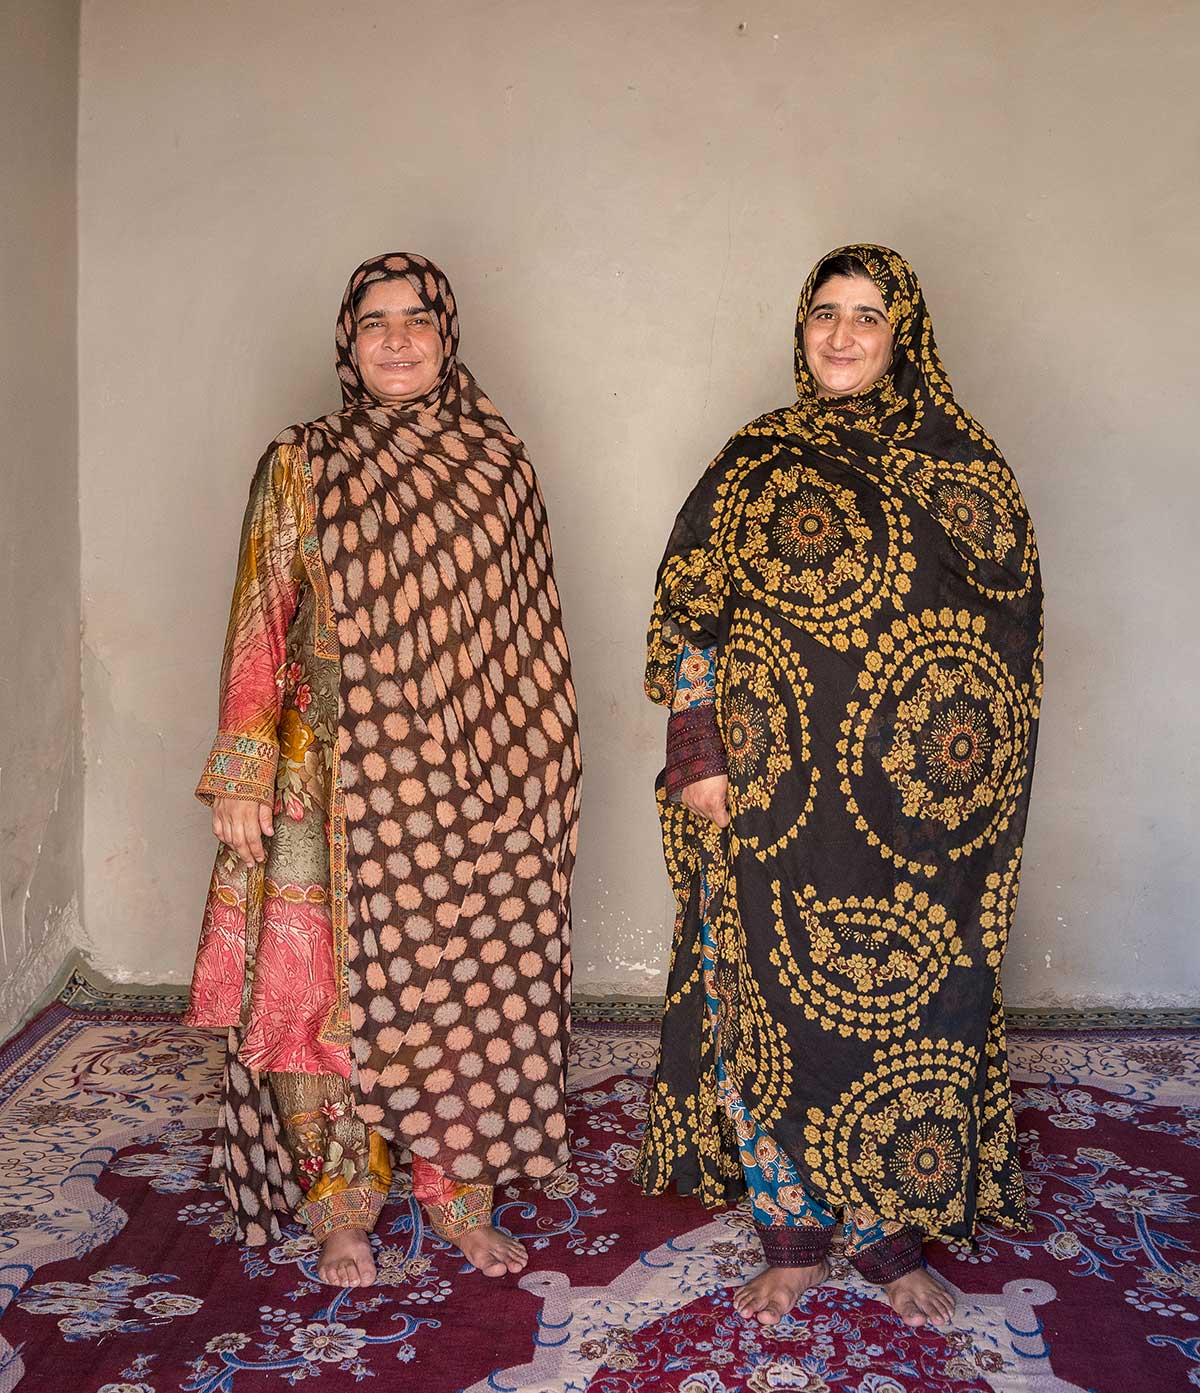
(840, 337)
(397, 335)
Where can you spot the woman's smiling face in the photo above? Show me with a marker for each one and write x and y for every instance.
(396, 343)
(847, 337)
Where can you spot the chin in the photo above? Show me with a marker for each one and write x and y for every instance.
(847, 389)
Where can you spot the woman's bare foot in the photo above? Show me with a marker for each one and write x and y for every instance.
(920, 1299)
(491, 1251)
(772, 1294)
(346, 1259)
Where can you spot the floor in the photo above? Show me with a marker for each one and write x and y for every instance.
(120, 1274)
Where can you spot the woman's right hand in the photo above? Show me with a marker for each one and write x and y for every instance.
(708, 797)
(242, 823)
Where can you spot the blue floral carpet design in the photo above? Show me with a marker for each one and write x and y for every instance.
(120, 1274)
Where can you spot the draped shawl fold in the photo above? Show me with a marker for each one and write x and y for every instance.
(454, 814)
(866, 568)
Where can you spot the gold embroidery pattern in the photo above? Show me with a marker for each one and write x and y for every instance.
(757, 1057)
(899, 1139)
(762, 694)
(802, 544)
(297, 481)
(981, 509)
(997, 905)
(335, 1029)
(689, 1125)
(692, 586)
(1001, 1184)
(874, 962)
(945, 724)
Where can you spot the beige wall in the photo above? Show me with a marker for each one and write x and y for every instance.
(627, 197)
(40, 768)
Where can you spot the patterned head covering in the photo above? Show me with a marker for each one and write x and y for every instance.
(914, 400)
(454, 415)
(435, 294)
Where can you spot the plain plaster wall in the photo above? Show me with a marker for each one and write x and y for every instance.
(627, 198)
(41, 798)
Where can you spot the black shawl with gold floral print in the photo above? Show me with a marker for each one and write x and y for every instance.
(867, 570)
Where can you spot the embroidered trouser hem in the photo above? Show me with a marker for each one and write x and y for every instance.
(895, 1255)
(785, 1245)
(342, 1165)
(356, 1207)
(454, 1208)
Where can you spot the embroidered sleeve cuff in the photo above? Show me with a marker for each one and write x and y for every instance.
(694, 749)
(239, 767)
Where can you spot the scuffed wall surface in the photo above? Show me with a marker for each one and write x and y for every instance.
(627, 198)
(40, 765)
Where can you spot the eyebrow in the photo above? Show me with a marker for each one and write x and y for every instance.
(380, 313)
(863, 309)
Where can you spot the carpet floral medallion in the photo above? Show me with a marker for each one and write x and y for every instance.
(120, 1273)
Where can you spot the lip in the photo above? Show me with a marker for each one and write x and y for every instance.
(839, 362)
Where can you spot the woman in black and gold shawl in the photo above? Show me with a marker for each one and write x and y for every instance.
(848, 631)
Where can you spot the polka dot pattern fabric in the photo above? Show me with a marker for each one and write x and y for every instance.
(458, 763)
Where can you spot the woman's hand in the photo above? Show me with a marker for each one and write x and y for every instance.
(709, 797)
(242, 823)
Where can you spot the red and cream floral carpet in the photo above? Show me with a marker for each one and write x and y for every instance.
(120, 1274)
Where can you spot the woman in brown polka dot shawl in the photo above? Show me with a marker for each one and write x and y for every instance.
(397, 712)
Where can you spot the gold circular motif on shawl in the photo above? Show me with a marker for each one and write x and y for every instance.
(938, 742)
(754, 1045)
(899, 1140)
(762, 695)
(981, 509)
(872, 962)
(820, 553)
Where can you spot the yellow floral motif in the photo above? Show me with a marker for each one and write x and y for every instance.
(956, 746)
(693, 587)
(897, 1140)
(811, 521)
(294, 736)
(758, 1060)
(872, 963)
(983, 524)
(762, 709)
(955, 729)
(997, 904)
(926, 1157)
(802, 544)
(945, 724)
(981, 508)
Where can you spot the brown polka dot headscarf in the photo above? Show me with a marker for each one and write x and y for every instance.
(437, 297)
